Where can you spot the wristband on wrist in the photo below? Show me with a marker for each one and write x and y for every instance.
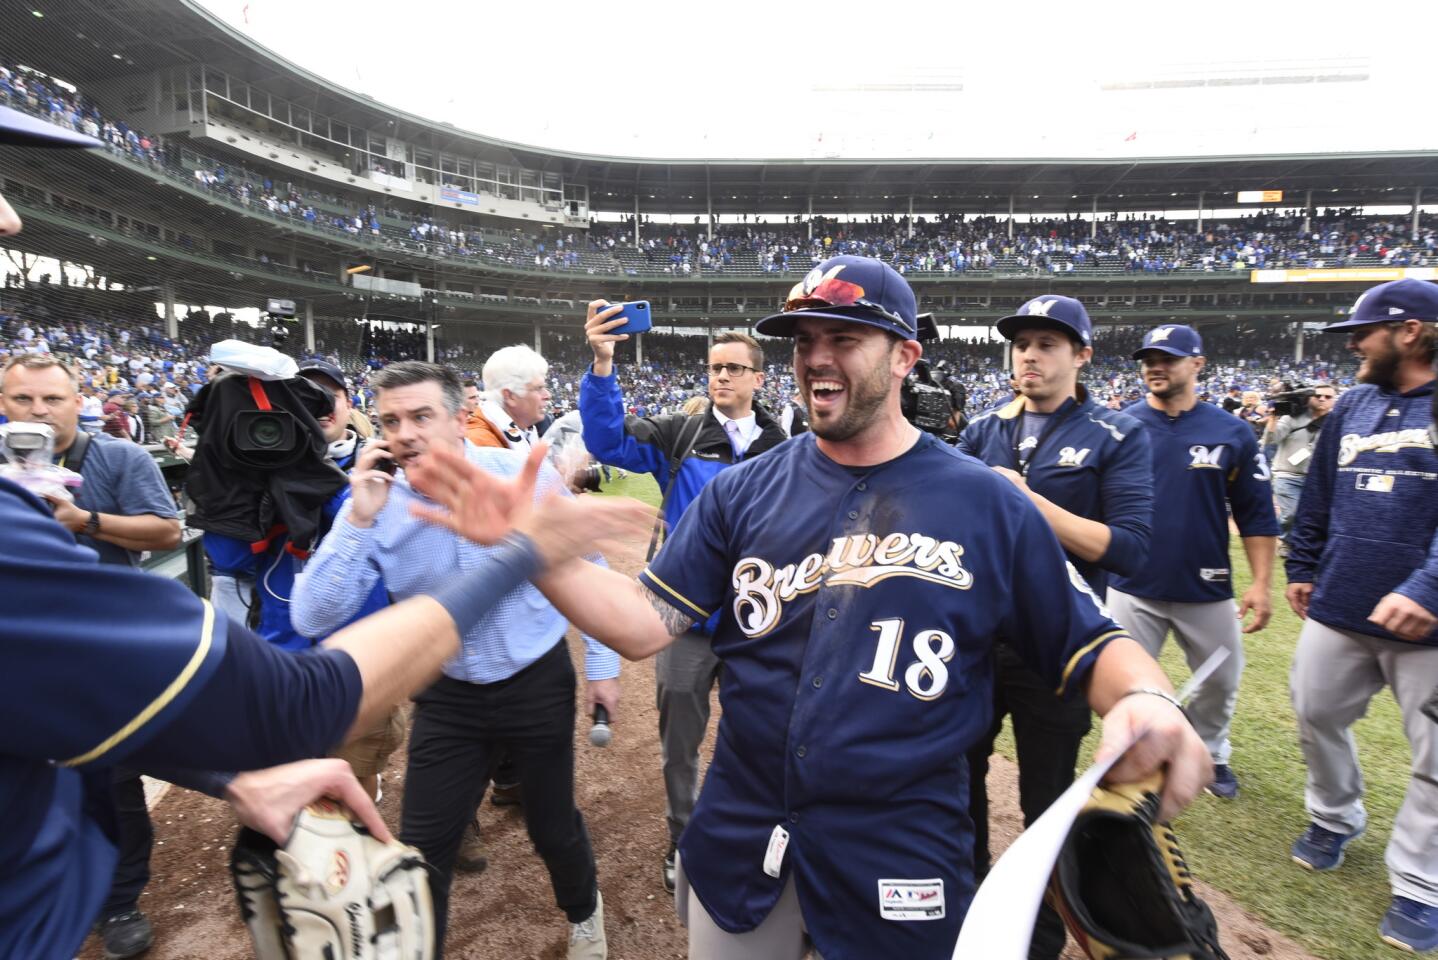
(1155, 691)
(470, 598)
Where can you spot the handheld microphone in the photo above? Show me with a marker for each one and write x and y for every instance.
(600, 734)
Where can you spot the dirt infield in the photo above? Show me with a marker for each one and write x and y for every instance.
(508, 911)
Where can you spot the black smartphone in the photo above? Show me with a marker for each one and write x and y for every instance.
(386, 465)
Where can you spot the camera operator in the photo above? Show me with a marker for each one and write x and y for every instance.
(122, 508)
(1363, 574)
(682, 453)
(1090, 473)
(1292, 430)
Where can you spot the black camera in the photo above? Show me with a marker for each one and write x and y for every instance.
(1291, 401)
(586, 478)
(925, 401)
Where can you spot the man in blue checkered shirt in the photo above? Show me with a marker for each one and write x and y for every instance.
(511, 687)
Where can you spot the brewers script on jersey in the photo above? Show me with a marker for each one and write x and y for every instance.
(857, 608)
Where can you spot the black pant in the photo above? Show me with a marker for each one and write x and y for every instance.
(458, 730)
(136, 834)
(1047, 734)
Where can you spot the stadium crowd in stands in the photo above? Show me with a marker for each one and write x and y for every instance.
(947, 245)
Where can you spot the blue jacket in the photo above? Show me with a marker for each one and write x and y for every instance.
(1091, 461)
(649, 444)
(1367, 523)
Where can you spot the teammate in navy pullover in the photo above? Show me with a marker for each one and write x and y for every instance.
(1091, 461)
(1355, 506)
(1363, 573)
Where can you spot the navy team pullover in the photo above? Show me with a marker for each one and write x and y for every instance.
(1201, 458)
(1367, 520)
(1091, 461)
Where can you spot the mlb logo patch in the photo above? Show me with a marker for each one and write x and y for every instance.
(1375, 482)
(906, 900)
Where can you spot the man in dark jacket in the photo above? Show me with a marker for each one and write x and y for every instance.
(1089, 471)
(683, 454)
(1363, 573)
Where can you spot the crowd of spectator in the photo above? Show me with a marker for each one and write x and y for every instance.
(947, 245)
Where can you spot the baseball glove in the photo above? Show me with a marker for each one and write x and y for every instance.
(1121, 884)
(333, 890)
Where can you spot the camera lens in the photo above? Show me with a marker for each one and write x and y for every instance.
(266, 433)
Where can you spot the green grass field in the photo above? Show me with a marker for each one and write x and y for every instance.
(1241, 846)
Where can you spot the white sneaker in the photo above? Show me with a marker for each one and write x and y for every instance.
(586, 939)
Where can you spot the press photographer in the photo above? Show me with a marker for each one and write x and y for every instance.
(1293, 426)
(932, 397)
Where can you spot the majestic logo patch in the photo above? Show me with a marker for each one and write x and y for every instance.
(1391, 442)
(857, 560)
(1069, 457)
(911, 899)
(1213, 574)
(1205, 458)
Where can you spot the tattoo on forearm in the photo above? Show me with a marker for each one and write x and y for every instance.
(674, 621)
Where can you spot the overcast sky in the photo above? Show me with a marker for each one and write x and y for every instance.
(747, 79)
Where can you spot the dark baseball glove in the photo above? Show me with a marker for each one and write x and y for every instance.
(1122, 886)
(333, 890)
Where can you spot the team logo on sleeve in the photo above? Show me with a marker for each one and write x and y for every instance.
(1391, 442)
(1069, 457)
(858, 560)
(1206, 458)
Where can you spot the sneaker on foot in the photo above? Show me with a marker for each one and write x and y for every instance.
(669, 867)
(471, 857)
(507, 795)
(1225, 784)
(127, 934)
(1410, 925)
(1320, 849)
(586, 939)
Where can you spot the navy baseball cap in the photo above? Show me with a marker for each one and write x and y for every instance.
(1172, 338)
(325, 369)
(856, 289)
(22, 130)
(1049, 310)
(1393, 301)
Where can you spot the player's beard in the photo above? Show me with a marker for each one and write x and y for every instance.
(1380, 367)
(863, 401)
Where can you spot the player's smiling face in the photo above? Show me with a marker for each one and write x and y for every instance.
(1377, 353)
(1167, 375)
(1047, 364)
(846, 373)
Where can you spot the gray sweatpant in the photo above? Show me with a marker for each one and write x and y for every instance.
(782, 935)
(1335, 674)
(1201, 629)
(684, 673)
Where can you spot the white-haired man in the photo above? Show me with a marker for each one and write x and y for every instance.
(516, 397)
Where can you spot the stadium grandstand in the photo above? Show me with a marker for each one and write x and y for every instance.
(231, 176)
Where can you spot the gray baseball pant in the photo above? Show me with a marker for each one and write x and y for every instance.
(1335, 674)
(1201, 629)
(782, 935)
(685, 673)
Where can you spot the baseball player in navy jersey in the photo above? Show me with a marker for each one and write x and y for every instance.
(862, 573)
(1088, 471)
(1202, 458)
(1363, 573)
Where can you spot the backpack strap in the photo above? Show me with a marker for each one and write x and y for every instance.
(687, 438)
(75, 457)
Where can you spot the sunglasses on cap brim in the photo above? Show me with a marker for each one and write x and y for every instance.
(834, 293)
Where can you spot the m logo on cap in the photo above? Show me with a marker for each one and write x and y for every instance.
(1160, 335)
(1038, 308)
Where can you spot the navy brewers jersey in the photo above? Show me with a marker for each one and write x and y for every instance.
(858, 608)
(1202, 458)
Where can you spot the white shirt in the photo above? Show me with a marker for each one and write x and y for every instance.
(747, 427)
